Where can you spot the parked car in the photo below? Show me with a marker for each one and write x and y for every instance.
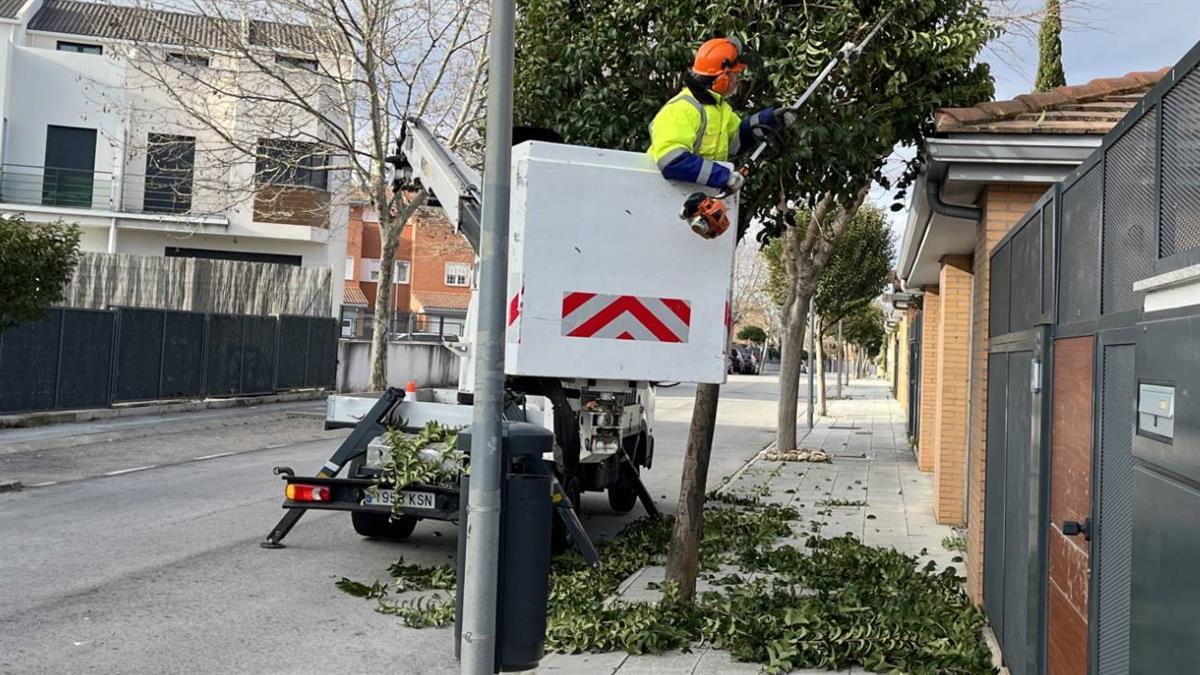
(735, 361)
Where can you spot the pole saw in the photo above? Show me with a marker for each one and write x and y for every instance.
(707, 214)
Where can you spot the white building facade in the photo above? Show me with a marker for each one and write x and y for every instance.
(90, 137)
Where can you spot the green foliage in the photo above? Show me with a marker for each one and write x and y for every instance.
(837, 501)
(865, 328)
(598, 72)
(1050, 68)
(831, 603)
(858, 269)
(753, 334)
(36, 264)
(956, 544)
(429, 457)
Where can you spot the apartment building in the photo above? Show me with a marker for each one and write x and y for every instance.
(431, 280)
(92, 136)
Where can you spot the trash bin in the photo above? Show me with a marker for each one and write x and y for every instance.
(524, 574)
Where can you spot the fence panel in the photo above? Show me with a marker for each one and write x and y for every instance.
(1078, 293)
(292, 360)
(183, 355)
(1130, 208)
(1025, 301)
(322, 353)
(139, 353)
(258, 358)
(85, 361)
(999, 291)
(224, 372)
(1181, 167)
(29, 364)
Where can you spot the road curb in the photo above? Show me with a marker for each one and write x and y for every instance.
(39, 419)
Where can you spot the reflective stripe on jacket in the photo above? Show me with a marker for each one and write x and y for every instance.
(688, 137)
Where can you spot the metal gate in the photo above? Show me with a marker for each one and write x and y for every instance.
(1016, 491)
(914, 376)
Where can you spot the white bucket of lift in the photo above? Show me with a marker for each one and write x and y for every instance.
(605, 280)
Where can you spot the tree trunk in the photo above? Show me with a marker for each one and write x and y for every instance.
(822, 408)
(684, 556)
(390, 228)
(795, 315)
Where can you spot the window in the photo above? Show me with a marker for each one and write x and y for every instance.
(79, 47)
(245, 256)
(370, 270)
(69, 177)
(296, 62)
(291, 163)
(400, 272)
(170, 163)
(458, 274)
(187, 60)
(349, 275)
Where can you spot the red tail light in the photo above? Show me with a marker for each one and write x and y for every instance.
(299, 492)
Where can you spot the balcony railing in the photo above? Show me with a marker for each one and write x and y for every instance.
(166, 194)
(52, 186)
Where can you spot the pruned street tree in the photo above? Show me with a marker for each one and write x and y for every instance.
(290, 108)
(853, 276)
(1050, 67)
(36, 264)
(569, 78)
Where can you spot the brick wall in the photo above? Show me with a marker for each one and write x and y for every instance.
(930, 334)
(950, 408)
(1003, 205)
(436, 243)
(364, 243)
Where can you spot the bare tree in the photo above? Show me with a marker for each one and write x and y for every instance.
(294, 105)
(1020, 20)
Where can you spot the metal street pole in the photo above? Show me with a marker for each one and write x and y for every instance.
(841, 360)
(483, 514)
(812, 310)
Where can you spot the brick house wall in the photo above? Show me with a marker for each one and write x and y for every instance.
(1003, 206)
(434, 244)
(931, 306)
(363, 242)
(950, 409)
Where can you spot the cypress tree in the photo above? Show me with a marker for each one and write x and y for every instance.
(1050, 68)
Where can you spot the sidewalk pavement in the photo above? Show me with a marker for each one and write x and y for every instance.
(871, 461)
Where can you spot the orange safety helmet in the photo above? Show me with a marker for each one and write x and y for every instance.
(717, 58)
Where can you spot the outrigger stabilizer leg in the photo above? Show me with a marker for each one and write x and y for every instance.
(372, 425)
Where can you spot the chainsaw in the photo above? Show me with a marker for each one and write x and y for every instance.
(707, 214)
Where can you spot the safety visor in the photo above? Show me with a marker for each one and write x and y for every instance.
(745, 56)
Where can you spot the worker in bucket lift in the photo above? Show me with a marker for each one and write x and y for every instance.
(698, 128)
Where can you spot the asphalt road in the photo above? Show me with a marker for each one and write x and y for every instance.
(158, 570)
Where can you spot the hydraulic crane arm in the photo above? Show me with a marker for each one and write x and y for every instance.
(453, 185)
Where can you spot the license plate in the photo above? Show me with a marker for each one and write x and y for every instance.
(405, 498)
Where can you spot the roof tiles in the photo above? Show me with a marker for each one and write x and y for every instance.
(1092, 109)
(139, 24)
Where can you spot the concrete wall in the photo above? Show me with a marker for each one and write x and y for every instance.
(429, 365)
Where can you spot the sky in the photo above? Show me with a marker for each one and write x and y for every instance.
(1101, 38)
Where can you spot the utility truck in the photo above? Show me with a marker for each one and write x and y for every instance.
(608, 294)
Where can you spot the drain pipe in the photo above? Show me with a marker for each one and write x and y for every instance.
(936, 205)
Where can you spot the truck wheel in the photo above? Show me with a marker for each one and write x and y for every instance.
(377, 526)
(622, 499)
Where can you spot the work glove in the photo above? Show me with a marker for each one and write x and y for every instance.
(735, 182)
(788, 116)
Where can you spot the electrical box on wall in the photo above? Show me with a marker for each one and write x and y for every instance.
(1156, 411)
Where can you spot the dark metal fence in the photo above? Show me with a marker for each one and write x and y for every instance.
(403, 326)
(86, 358)
(1068, 269)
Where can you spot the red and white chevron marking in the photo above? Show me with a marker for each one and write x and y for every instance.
(625, 317)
